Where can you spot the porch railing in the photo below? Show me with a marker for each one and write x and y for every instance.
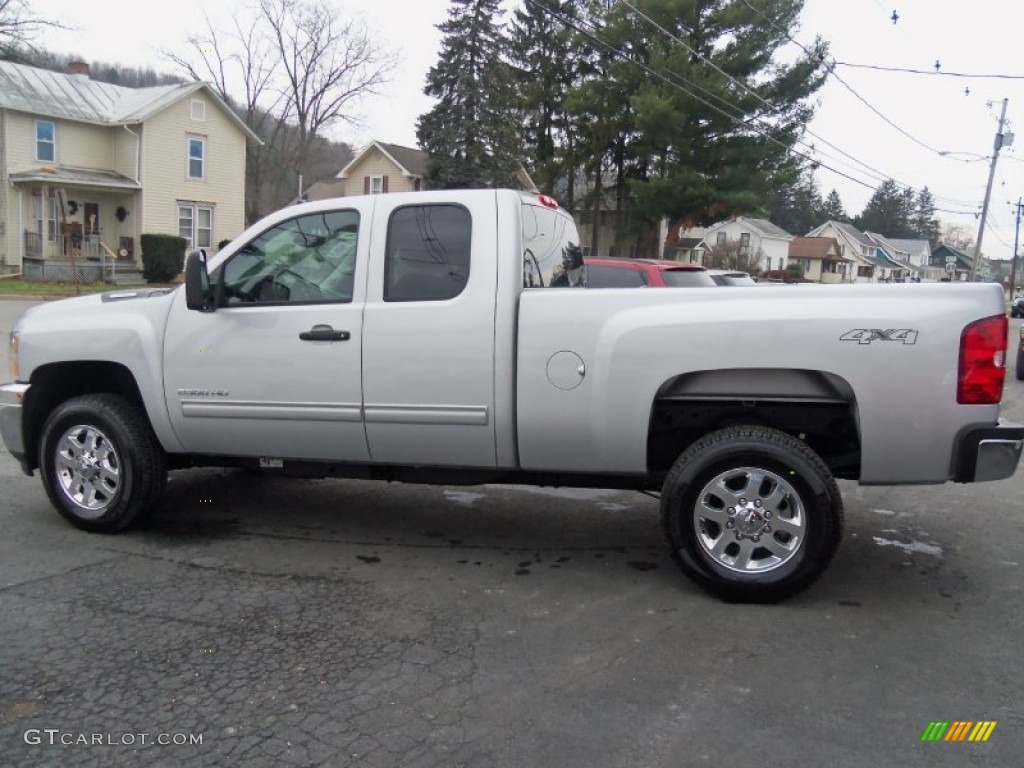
(68, 258)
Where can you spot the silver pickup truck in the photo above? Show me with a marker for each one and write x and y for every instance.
(449, 337)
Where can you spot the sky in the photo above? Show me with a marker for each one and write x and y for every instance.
(947, 132)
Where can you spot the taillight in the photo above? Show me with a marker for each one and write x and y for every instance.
(982, 361)
(547, 202)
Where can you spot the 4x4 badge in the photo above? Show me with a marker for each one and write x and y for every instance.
(867, 335)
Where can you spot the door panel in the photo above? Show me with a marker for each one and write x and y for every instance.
(428, 334)
(276, 370)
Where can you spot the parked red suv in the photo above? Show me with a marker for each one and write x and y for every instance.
(640, 273)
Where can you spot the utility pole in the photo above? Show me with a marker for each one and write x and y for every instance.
(997, 145)
(1016, 240)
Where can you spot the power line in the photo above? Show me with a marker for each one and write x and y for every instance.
(933, 73)
(846, 85)
(880, 176)
(735, 118)
(996, 235)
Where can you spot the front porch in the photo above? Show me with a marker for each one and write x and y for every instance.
(77, 224)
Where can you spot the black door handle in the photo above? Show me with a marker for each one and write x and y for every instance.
(324, 333)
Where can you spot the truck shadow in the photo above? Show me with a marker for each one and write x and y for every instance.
(523, 530)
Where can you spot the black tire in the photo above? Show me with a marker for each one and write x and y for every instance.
(1020, 365)
(798, 522)
(118, 475)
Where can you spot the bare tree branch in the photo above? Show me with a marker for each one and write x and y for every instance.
(18, 27)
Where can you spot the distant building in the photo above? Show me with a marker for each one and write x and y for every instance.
(758, 238)
(821, 258)
(88, 167)
(956, 263)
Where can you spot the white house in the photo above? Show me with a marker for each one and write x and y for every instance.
(758, 237)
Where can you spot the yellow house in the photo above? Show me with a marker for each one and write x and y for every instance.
(88, 167)
(378, 169)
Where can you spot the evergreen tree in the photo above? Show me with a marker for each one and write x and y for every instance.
(833, 209)
(471, 133)
(543, 54)
(696, 145)
(798, 208)
(926, 226)
(888, 212)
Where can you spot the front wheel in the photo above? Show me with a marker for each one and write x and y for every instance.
(752, 514)
(101, 464)
(1020, 365)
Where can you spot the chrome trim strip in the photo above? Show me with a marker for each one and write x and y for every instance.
(445, 415)
(242, 409)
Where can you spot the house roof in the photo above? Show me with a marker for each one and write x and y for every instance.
(689, 243)
(942, 249)
(410, 161)
(765, 227)
(75, 177)
(77, 97)
(852, 232)
(912, 246)
(322, 190)
(889, 252)
(762, 227)
(815, 248)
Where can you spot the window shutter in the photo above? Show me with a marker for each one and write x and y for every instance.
(366, 185)
(384, 185)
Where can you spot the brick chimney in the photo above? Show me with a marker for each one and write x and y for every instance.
(78, 68)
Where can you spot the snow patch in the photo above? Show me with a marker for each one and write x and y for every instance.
(910, 547)
(464, 498)
(577, 494)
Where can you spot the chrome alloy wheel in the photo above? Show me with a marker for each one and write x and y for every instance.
(749, 520)
(88, 469)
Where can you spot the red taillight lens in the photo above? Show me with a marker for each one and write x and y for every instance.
(548, 202)
(982, 362)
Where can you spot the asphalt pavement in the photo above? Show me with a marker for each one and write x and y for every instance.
(345, 623)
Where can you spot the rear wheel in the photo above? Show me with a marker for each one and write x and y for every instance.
(101, 464)
(752, 514)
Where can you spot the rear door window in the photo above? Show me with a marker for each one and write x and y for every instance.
(427, 253)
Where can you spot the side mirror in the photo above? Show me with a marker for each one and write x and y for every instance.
(198, 295)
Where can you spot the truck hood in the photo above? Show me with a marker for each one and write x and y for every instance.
(125, 327)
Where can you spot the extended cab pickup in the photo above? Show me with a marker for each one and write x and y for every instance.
(448, 337)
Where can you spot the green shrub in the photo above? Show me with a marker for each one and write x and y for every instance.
(163, 257)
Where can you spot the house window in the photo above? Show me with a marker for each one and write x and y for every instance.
(196, 157)
(805, 265)
(46, 141)
(376, 185)
(195, 224)
(198, 107)
(720, 238)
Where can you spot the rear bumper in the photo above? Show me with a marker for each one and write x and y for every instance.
(987, 452)
(11, 399)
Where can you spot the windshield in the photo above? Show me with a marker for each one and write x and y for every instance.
(687, 278)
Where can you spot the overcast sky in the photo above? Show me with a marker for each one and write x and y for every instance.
(981, 36)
